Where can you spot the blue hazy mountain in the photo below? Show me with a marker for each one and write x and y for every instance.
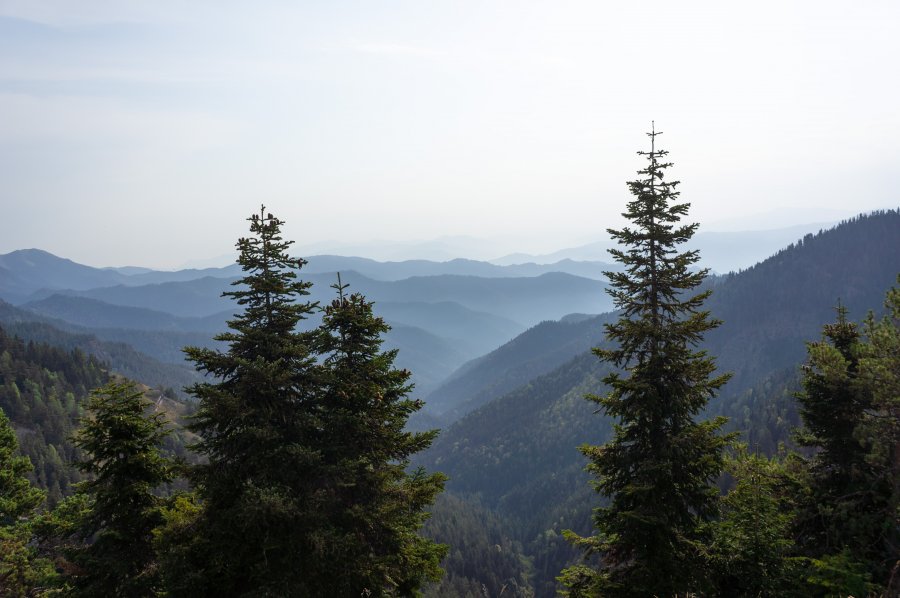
(524, 300)
(721, 251)
(797, 287)
(458, 334)
(93, 313)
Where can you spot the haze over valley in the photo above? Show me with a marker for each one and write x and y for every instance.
(449, 299)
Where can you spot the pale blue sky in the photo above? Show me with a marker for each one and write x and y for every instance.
(145, 132)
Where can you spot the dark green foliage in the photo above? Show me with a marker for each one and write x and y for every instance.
(482, 556)
(20, 567)
(659, 468)
(831, 403)
(850, 413)
(879, 431)
(18, 497)
(42, 389)
(260, 431)
(305, 491)
(751, 548)
(375, 508)
(839, 575)
(121, 454)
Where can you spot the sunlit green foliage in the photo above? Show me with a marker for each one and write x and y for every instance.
(42, 391)
(21, 569)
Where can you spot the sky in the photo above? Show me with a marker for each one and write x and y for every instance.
(146, 132)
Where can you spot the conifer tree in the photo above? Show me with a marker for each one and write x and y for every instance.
(18, 498)
(121, 445)
(263, 514)
(376, 507)
(849, 407)
(20, 568)
(879, 371)
(751, 549)
(831, 405)
(658, 470)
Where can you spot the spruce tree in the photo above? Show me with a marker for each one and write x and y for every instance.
(658, 470)
(121, 446)
(377, 507)
(258, 418)
(831, 403)
(849, 409)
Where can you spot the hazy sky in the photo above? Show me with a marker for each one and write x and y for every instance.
(144, 133)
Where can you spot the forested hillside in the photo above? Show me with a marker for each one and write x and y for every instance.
(769, 311)
(519, 450)
(42, 391)
(120, 356)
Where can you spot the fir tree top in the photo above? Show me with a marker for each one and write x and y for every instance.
(658, 469)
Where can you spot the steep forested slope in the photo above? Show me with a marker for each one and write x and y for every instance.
(121, 357)
(42, 389)
(768, 312)
(771, 309)
(534, 352)
(518, 452)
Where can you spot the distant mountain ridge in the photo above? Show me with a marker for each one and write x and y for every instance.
(26, 271)
(93, 313)
(524, 300)
(122, 357)
(440, 321)
(817, 267)
(162, 336)
(22, 272)
(721, 251)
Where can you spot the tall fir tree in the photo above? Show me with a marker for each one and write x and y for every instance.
(376, 507)
(263, 514)
(120, 441)
(658, 470)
